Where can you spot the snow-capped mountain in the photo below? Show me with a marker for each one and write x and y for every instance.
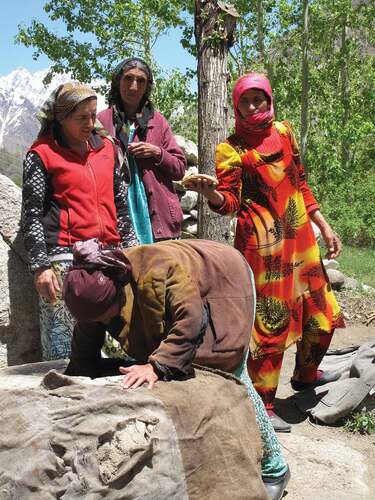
(21, 94)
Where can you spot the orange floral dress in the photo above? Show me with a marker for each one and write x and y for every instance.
(267, 190)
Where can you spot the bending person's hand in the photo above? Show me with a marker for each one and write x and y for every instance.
(136, 375)
(46, 284)
(144, 150)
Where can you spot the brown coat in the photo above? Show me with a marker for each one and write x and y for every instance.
(187, 301)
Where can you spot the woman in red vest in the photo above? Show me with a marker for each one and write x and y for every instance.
(73, 190)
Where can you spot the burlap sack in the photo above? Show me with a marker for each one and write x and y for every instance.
(73, 438)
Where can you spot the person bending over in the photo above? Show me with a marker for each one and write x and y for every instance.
(169, 304)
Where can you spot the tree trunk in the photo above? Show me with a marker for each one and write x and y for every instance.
(261, 47)
(305, 83)
(146, 36)
(214, 27)
(260, 28)
(345, 103)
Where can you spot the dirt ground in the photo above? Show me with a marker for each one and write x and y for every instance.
(327, 463)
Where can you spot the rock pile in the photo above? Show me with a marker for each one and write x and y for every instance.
(19, 323)
(341, 282)
(188, 199)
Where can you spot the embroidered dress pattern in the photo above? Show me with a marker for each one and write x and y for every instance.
(274, 233)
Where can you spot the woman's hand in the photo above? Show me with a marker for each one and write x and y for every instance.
(331, 239)
(207, 189)
(136, 375)
(144, 150)
(46, 284)
(332, 242)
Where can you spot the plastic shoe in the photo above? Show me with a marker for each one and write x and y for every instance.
(322, 378)
(275, 487)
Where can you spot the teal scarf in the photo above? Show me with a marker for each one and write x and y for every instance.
(137, 200)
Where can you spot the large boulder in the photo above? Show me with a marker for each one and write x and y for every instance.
(190, 226)
(189, 201)
(336, 278)
(184, 440)
(331, 264)
(189, 148)
(19, 323)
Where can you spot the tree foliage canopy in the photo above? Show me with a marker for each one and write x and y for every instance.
(99, 34)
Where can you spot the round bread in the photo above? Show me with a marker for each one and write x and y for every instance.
(211, 180)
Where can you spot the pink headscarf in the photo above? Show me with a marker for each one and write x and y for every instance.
(257, 121)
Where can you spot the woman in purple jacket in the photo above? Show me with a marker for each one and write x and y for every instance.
(146, 141)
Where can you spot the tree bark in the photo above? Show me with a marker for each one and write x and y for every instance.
(214, 27)
(261, 47)
(345, 101)
(146, 37)
(305, 83)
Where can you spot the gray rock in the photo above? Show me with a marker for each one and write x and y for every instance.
(192, 170)
(187, 236)
(190, 226)
(331, 264)
(180, 190)
(351, 283)
(194, 214)
(233, 225)
(19, 317)
(3, 356)
(189, 148)
(188, 201)
(337, 278)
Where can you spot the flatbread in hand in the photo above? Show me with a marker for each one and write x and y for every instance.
(190, 179)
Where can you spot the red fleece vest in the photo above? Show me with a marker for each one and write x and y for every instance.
(82, 201)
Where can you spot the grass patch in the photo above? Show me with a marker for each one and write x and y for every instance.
(361, 422)
(359, 263)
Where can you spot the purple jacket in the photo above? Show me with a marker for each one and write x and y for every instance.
(163, 203)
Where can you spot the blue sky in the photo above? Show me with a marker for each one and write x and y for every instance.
(168, 51)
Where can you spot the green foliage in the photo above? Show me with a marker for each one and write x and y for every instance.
(172, 90)
(99, 34)
(11, 165)
(185, 121)
(358, 263)
(174, 98)
(360, 422)
(341, 133)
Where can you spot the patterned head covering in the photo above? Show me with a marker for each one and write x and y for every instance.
(96, 279)
(60, 103)
(257, 121)
(114, 97)
(88, 295)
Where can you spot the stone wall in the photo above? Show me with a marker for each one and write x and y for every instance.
(188, 199)
(19, 324)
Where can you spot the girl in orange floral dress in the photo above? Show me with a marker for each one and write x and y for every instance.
(262, 181)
